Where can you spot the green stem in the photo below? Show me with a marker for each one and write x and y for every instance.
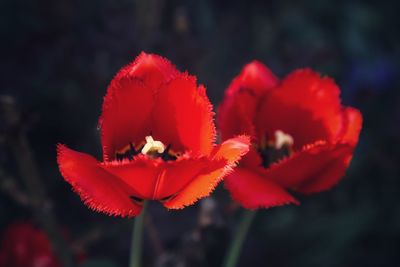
(235, 248)
(137, 234)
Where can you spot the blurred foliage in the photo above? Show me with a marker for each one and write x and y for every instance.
(58, 57)
(98, 263)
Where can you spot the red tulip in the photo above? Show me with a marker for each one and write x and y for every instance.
(23, 245)
(303, 138)
(157, 133)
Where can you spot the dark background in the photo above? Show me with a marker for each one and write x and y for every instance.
(57, 58)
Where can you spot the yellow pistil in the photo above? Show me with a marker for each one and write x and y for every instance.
(152, 146)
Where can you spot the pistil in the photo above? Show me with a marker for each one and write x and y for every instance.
(152, 147)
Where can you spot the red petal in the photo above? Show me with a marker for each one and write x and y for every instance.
(305, 106)
(100, 190)
(237, 111)
(156, 179)
(127, 107)
(236, 114)
(316, 168)
(233, 149)
(353, 120)
(146, 98)
(254, 191)
(178, 175)
(183, 116)
(229, 152)
(139, 175)
(252, 160)
(254, 77)
(154, 70)
(126, 116)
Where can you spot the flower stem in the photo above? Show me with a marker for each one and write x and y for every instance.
(137, 234)
(235, 248)
(40, 204)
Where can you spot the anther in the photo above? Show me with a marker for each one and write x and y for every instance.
(132, 149)
(166, 155)
(126, 153)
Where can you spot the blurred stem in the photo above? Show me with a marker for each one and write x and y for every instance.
(235, 248)
(41, 205)
(154, 237)
(137, 236)
(9, 186)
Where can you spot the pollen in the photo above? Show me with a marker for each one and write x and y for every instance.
(152, 146)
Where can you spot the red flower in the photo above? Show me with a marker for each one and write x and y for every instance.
(25, 246)
(303, 138)
(158, 135)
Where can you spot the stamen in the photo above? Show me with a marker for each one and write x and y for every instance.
(275, 150)
(152, 146)
(128, 152)
(167, 154)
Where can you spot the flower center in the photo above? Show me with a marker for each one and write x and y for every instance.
(150, 147)
(275, 150)
(153, 148)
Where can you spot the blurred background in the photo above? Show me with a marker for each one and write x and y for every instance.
(57, 58)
